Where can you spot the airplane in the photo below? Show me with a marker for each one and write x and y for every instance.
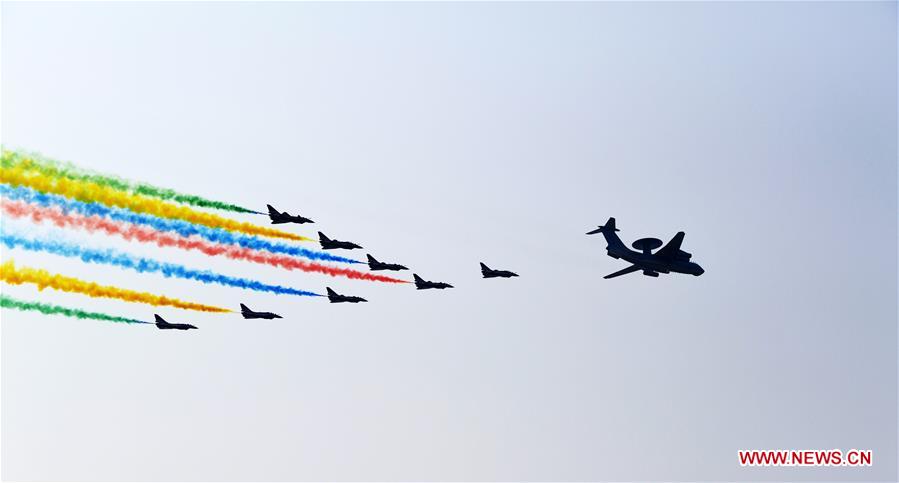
(488, 272)
(279, 217)
(336, 298)
(328, 244)
(669, 258)
(376, 265)
(249, 314)
(422, 284)
(162, 324)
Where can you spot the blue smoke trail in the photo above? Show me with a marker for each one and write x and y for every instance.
(142, 265)
(180, 227)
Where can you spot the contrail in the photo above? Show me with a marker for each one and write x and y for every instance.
(93, 192)
(180, 227)
(48, 309)
(37, 213)
(55, 169)
(143, 265)
(43, 279)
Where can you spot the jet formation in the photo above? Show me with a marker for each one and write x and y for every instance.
(669, 258)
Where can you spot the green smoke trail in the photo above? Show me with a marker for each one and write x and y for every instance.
(58, 169)
(10, 303)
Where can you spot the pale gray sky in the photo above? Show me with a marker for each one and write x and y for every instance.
(441, 135)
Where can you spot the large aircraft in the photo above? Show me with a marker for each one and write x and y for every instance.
(249, 314)
(376, 265)
(669, 258)
(336, 298)
(488, 272)
(422, 284)
(162, 324)
(279, 217)
(328, 244)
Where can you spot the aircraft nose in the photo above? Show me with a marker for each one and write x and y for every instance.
(699, 270)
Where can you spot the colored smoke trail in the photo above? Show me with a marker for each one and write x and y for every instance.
(93, 192)
(57, 169)
(48, 309)
(18, 209)
(9, 273)
(182, 228)
(143, 265)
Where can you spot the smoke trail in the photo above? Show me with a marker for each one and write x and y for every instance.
(47, 309)
(43, 279)
(143, 265)
(93, 192)
(182, 228)
(55, 169)
(17, 209)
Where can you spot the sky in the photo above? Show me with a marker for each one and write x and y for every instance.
(440, 135)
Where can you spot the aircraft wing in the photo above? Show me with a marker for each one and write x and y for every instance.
(630, 269)
(672, 248)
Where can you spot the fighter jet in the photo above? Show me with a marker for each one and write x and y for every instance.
(422, 284)
(488, 272)
(249, 314)
(279, 217)
(669, 258)
(162, 324)
(376, 265)
(336, 298)
(328, 244)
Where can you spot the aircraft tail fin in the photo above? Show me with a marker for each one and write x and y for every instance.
(608, 227)
(484, 268)
(159, 319)
(323, 237)
(272, 211)
(244, 308)
(417, 278)
(371, 259)
(330, 292)
(608, 232)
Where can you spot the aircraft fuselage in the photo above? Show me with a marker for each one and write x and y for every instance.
(260, 315)
(166, 325)
(346, 299)
(499, 273)
(426, 285)
(386, 266)
(653, 263)
(289, 219)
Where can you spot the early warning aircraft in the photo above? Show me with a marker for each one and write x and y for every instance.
(422, 284)
(336, 298)
(488, 272)
(162, 324)
(329, 244)
(279, 217)
(669, 258)
(376, 265)
(249, 314)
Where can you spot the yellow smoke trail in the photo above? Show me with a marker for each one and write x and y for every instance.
(9, 273)
(92, 192)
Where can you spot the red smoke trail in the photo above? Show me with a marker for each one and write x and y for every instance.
(143, 234)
